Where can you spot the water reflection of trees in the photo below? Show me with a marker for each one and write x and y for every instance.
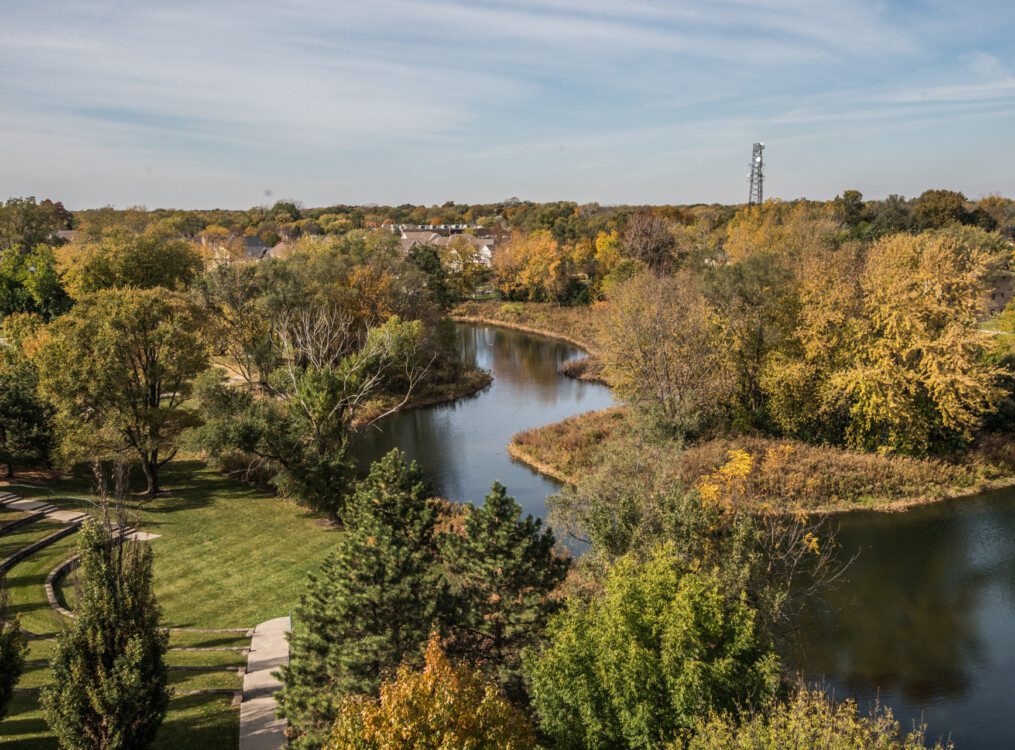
(905, 620)
(520, 361)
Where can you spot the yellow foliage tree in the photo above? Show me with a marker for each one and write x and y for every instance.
(917, 379)
(793, 229)
(529, 266)
(443, 707)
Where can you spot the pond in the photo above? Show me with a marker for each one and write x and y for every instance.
(924, 620)
(462, 446)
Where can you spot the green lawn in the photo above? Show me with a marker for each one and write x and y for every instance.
(9, 516)
(196, 722)
(227, 557)
(25, 535)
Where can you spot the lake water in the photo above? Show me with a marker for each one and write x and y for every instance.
(462, 446)
(924, 620)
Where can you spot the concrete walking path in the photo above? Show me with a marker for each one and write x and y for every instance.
(260, 728)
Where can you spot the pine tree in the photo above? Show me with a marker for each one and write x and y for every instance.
(371, 605)
(501, 570)
(111, 684)
(12, 651)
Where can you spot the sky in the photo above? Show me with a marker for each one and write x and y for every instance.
(216, 103)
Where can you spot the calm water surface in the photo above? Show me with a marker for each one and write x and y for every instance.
(924, 620)
(462, 446)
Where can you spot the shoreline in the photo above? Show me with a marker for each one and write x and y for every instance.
(477, 381)
(578, 369)
(523, 328)
(900, 505)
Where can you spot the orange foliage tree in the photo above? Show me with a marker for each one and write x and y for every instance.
(443, 707)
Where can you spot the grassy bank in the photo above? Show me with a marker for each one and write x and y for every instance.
(227, 555)
(786, 474)
(576, 325)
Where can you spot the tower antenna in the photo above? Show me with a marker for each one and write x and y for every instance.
(756, 194)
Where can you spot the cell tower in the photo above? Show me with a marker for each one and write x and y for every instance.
(757, 176)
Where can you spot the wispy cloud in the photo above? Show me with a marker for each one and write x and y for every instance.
(408, 99)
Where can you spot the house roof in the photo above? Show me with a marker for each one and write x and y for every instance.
(419, 235)
(254, 247)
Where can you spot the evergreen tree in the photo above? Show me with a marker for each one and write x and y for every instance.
(12, 651)
(372, 604)
(501, 571)
(110, 690)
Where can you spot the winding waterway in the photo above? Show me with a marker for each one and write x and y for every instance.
(462, 446)
(924, 620)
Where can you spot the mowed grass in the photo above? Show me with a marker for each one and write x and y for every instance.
(227, 555)
(23, 536)
(203, 722)
(196, 722)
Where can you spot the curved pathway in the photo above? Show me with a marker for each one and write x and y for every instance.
(260, 728)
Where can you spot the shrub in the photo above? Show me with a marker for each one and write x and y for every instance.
(808, 720)
(659, 649)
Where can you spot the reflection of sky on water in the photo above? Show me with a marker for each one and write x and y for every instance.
(462, 446)
(925, 620)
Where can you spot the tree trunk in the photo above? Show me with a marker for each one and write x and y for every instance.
(150, 464)
(9, 471)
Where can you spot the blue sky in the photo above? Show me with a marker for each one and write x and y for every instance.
(220, 103)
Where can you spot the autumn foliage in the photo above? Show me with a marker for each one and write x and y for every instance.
(444, 706)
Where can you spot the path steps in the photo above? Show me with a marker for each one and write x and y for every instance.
(260, 729)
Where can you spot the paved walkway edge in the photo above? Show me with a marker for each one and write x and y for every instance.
(260, 727)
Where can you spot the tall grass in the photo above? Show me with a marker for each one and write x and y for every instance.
(785, 474)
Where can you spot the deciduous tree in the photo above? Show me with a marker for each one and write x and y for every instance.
(153, 258)
(118, 370)
(917, 380)
(661, 348)
(444, 706)
(658, 650)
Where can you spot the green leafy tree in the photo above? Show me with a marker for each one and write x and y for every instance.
(13, 648)
(808, 720)
(659, 649)
(29, 283)
(372, 604)
(936, 209)
(502, 570)
(25, 431)
(145, 260)
(118, 370)
(300, 435)
(26, 435)
(111, 687)
(444, 706)
(25, 223)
